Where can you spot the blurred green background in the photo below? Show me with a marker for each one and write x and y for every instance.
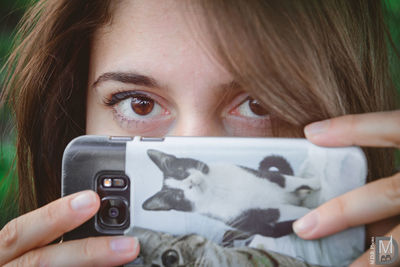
(10, 13)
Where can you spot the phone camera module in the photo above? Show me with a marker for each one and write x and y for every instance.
(113, 212)
(113, 216)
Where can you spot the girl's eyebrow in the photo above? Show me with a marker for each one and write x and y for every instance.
(148, 81)
(127, 77)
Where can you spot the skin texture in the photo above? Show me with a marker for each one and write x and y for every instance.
(151, 38)
(144, 39)
(376, 201)
(23, 240)
(196, 94)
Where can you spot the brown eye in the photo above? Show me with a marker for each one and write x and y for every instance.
(142, 105)
(256, 108)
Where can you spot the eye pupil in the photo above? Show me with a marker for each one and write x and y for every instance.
(256, 108)
(142, 105)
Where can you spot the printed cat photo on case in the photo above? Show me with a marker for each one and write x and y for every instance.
(217, 190)
(230, 197)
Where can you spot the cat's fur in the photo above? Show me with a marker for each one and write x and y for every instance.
(264, 201)
(164, 250)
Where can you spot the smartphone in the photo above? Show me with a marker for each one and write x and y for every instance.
(215, 186)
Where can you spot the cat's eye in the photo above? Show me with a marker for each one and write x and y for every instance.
(178, 196)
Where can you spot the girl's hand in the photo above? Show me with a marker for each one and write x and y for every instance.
(24, 240)
(375, 201)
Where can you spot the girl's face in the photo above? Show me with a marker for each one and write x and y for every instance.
(148, 76)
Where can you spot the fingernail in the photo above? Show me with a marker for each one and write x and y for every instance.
(124, 244)
(317, 127)
(82, 201)
(306, 224)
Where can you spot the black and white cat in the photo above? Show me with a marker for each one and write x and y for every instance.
(264, 201)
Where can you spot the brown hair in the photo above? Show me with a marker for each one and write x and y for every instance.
(305, 60)
(47, 80)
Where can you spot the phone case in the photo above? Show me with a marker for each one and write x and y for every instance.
(220, 186)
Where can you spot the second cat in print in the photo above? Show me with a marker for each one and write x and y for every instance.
(265, 201)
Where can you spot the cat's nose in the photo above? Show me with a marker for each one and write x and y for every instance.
(197, 126)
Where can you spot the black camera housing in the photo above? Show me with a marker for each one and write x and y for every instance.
(80, 171)
(113, 215)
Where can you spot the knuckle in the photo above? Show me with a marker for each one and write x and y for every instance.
(338, 208)
(396, 118)
(50, 213)
(33, 258)
(9, 234)
(340, 204)
(352, 122)
(392, 188)
(87, 248)
(393, 136)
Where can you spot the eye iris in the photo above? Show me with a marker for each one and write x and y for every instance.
(142, 105)
(256, 108)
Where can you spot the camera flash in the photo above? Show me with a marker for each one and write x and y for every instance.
(107, 182)
(118, 182)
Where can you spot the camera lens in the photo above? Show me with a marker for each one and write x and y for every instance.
(113, 212)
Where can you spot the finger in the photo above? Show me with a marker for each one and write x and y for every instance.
(373, 202)
(381, 129)
(369, 257)
(41, 226)
(98, 251)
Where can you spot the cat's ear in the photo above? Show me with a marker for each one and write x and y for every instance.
(161, 159)
(201, 166)
(168, 199)
(157, 202)
(275, 163)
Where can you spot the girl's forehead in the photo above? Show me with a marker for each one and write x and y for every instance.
(154, 38)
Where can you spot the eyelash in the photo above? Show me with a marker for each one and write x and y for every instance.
(248, 109)
(146, 124)
(239, 111)
(119, 96)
